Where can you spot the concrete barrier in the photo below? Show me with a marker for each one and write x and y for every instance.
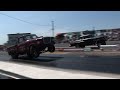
(90, 48)
(109, 46)
(69, 50)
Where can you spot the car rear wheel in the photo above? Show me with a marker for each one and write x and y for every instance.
(82, 46)
(14, 56)
(77, 46)
(98, 44)
(103, 43)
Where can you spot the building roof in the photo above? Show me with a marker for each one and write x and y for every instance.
(19, 33)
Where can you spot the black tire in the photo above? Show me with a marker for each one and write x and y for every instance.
(98, 44)
(51, 48)
(77, 46)
(33, 52)
(14, 56)
(103, 43)
(82, 46)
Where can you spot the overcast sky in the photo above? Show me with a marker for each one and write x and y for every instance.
(65, 21)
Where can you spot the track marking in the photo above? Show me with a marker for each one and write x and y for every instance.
(57, 53)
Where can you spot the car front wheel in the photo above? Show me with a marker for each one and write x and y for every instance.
(33, 52)
(51, 48)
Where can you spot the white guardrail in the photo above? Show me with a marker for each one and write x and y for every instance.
(109, 46)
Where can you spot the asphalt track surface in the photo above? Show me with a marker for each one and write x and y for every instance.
(75, 62)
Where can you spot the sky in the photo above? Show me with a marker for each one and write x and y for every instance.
(64, 21)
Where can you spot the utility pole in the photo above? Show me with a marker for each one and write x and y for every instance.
(94, 31)
(53, 28)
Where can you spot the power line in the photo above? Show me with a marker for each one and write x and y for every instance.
(22, 20)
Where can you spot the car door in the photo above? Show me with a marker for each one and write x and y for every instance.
(21, 45)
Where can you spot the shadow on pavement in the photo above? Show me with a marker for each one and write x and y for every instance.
(42, 60)
(104, 64)
(9, 75)
(101, 64)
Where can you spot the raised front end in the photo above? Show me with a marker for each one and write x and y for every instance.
(49, 43)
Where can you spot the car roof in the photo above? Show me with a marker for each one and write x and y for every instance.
(84, 35)
(27, 35)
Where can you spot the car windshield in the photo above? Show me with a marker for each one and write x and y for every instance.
(29, 37)
(34, 36)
